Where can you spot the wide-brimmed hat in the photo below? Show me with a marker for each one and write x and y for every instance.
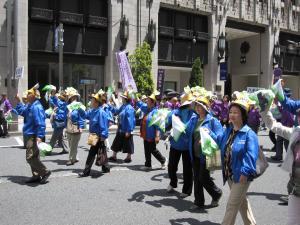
(34, 91)
(243, 103)
(152, 97)
(203, 101)
(71, 92)
(186, 99)
(128, 94)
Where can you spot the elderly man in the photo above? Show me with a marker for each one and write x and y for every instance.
(34, 131)
(5, 108)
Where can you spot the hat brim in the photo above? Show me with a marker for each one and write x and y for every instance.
(186, 103)
(202, 104)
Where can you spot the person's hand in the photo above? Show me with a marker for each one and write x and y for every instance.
(80, 130)
(243, 179)
(157, 138)
(127, 134)
(39, 140)
(17, 97)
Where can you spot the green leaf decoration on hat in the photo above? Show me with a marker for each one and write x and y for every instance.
(159, 119)
(49, 88)
(187, 90)
(208, 144)
(178, 127)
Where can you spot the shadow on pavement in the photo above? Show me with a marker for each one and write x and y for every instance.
(20, 180)
(178, 203)
(160, 177)
(270, 196)
(190, 221)
(57, 161)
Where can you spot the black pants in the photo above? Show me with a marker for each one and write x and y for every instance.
(272, 137)
(150, 148)
(3, 126)
(203, 180)
(91, 158)
(279, 146)
(174, 158)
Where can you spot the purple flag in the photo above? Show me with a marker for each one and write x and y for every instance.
(125, 71)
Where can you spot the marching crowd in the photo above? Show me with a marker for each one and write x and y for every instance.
(232, 125)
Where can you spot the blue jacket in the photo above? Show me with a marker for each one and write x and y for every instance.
(34, 119)
(212, 124)
(107, 109)
(126, 118)
(77, 117)
(290, 105)
(244, 152)
(183, 142)
(98, 122)
(53, 101)
(150, 130)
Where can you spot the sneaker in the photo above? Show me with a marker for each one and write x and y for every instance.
(82, 174)
(183, 195)
(70, 163)
(215, 202)
(170, 189)
(45, 178)
(146, 168)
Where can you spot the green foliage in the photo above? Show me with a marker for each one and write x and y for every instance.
(196, 78)
(141, 66)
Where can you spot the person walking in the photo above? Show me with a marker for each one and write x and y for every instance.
(291, 163)
(75, 123)
(5, 109)
(239, 152)
(34, 131)
(126, 124)
(202, 178)
(59, 120)
(181, 148)
(150, 134)
(98, 129)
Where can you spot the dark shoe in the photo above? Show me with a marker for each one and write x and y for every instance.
(127, 160)
(33, 179)
(70, 163)
(105, 169)
(83, 174)
(112, 159)
(196, 207)
(215, 202)
(275, 158)
(45, 178)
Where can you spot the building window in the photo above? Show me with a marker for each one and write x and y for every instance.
(72, 6)
(44, 4)
(170, 85)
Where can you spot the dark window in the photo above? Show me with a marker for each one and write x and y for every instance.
(182, 51)
(95, 42)
(165, 18)
(200, 49)
(170, 85)
(201, 24)
(72, 6)
(44, 4)
(72, 39)
(182, 20)
(98, 8)
(165, 49)
(40, 37)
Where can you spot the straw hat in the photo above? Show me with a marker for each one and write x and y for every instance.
(243, 103)
(71, 92)
(34, 91)
(186, 99)
(203, 101)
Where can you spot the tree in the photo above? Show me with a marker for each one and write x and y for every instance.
(196, 78)
(141, 66)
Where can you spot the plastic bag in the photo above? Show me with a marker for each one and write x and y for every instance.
(178, 127)
(44, 148)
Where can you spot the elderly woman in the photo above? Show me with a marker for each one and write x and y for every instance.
(291, 163)
(99, 127)
(75, 124)
(124, 139)
(239, 152)
(202, 179)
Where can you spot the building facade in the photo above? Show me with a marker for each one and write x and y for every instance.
(178, 31)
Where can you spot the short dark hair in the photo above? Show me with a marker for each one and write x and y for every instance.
(243, 112)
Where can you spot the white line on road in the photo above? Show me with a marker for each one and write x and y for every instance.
(19, 141)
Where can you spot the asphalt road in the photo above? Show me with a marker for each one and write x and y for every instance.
(125, 196)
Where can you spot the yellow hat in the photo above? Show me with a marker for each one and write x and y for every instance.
(70, 92)
(203, 101)
(242, 103)
(34, 91)
(186, 99)
(97, 97)
(128, 94)
(152, 96)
